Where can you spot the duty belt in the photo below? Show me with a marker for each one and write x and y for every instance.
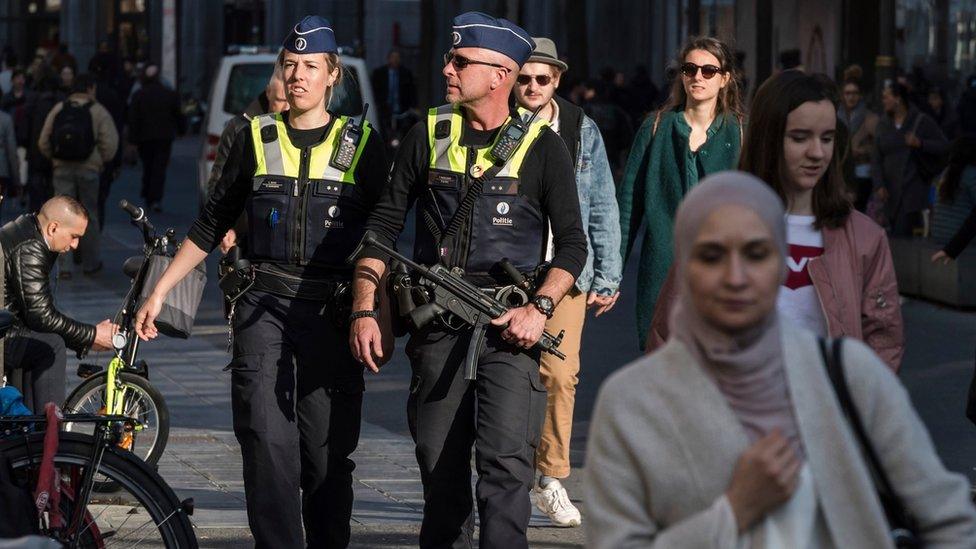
(293, 286)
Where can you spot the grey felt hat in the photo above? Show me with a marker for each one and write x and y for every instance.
(545, 52)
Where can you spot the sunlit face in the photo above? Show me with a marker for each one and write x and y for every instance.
(734, 269)
(698, 88)
(529, 91)
(476, 80)
(63, 236)
(808, 144)
(852, 96)
(307, 78)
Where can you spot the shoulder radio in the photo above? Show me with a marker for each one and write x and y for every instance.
(510, 138)
(349, 139)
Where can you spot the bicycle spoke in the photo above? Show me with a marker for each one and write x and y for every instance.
(141, 527)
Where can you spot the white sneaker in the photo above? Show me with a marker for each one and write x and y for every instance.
(554, 502)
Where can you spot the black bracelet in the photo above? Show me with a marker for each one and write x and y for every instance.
(363, 314)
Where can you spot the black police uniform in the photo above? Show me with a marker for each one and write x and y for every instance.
(296, 389)
(501, 411)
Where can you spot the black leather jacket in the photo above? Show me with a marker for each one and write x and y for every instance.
(28, 272)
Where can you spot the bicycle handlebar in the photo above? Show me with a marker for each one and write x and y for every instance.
(137, 214)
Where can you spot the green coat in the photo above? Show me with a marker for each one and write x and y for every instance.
(660, 171)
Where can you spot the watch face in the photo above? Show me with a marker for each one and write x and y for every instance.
(545, 303)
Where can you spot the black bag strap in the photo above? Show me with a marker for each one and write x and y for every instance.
(467, 203)
(898, 516)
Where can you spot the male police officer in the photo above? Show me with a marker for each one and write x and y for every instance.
(295, 389)
(501, 411)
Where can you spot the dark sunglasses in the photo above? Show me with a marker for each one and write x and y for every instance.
(461, 62)
(708, 71)
(541, 79)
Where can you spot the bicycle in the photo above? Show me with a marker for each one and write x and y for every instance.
(123, 387)
(147, 513)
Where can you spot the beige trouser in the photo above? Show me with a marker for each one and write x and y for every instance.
(559, 376)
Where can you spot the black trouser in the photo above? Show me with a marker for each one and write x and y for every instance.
(154, 155)
(35, 363)
(501, 413)
(297, 397)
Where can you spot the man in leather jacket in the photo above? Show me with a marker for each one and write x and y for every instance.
(34, 350)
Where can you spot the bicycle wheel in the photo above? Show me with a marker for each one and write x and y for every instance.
(141, 401)
(145, 513)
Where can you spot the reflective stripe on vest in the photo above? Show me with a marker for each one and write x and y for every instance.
(280, 157)
(447, 153)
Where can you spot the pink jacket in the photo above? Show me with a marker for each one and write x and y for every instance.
(860, 302)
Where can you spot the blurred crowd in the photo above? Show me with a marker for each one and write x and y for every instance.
(135, 114)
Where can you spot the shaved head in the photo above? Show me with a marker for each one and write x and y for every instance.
(63, 221)
(63, 208)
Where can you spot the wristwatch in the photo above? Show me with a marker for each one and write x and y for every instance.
(544, 305)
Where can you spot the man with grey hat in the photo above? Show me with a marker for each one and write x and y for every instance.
(471, 224)
(596, 287)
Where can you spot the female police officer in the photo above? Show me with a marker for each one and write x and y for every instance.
(306, 179)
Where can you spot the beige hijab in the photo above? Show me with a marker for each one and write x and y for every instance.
(747, 366)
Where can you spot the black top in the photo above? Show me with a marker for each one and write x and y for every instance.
(546, 179)
(234, 186)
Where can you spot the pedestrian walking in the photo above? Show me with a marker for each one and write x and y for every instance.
(296, 390)
(39, 168)
(396, 91)
(909, 153)
(730, 436)
(80, 139)
(596, 287)
(943, 113)
(106, 96)
(861, 127)
(155, 119)
(611, 119)
(9, 160)
(841, 277)
(700, 130)
(501, 411)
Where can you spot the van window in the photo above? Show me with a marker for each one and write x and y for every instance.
(246, 81)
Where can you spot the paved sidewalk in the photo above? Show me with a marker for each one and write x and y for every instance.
(202, 459)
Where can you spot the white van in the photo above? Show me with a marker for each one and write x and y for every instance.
(242, 77)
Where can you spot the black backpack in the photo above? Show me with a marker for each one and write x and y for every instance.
(73, 134)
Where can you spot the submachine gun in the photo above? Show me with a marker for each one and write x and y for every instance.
(449, 294)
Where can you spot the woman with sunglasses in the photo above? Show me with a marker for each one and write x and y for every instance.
(696, 132)
(841, 278)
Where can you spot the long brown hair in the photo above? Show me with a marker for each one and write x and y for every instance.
(729, 97)
(762, 151)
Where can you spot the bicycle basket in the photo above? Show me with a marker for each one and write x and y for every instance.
(180, 308)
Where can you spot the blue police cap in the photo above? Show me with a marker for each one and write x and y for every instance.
(313, 34)
(477, 30)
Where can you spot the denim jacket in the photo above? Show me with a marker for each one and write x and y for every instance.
(597, 198)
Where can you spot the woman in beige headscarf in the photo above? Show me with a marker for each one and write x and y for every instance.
(731, 435)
